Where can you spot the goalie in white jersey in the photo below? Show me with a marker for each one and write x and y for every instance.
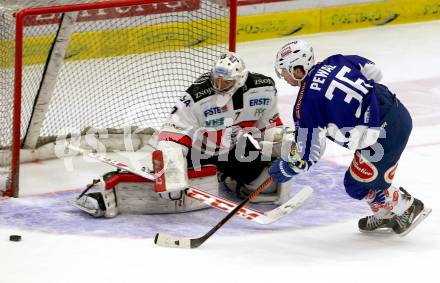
(211, 124)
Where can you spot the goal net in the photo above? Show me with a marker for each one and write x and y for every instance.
(108, 68)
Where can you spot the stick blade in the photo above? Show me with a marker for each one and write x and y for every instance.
(169, 241)
(289, 206)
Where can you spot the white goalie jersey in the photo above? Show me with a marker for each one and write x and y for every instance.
(211, 122)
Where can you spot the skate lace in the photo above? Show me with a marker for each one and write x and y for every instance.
(373, 221)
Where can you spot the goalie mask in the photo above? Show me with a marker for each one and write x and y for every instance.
(228, 74)
(297, 53)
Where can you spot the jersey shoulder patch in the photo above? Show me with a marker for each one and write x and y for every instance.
(201, 88)
(255, 80)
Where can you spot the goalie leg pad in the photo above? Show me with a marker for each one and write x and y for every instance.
(137, 196)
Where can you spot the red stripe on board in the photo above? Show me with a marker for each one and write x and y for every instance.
(255, 2)
(156, 7)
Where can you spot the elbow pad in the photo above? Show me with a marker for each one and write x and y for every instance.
(372, 72)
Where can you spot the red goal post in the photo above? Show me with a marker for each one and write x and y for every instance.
(99, 65)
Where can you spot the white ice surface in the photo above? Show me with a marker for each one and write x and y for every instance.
(409, 57)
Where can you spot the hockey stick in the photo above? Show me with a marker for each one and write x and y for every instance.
(113, 162)
(259, 217)
(191, 243)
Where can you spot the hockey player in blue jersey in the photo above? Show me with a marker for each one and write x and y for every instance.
(340, 99)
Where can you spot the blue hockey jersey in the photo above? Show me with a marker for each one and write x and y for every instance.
(337, 100)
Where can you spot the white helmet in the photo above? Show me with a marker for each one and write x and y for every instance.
(293, 54)
(231, 71)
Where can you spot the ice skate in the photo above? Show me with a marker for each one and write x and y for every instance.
(411, 217)
(374, 223)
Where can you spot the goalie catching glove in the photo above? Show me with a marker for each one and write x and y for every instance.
(277, 141)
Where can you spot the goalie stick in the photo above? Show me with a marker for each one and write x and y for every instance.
(211, 200)
(259, 217)
(191, 243)
(110, 161)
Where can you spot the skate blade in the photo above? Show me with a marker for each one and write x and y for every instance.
(382, 231)
(425, 212)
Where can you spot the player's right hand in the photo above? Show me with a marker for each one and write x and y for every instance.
(281, 171)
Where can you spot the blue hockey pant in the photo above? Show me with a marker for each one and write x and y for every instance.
(373, 167)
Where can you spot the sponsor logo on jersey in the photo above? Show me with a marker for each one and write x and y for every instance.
(215, 110)
(389, 174)
(259, 112)
(265, 81)
(204, 92)
(259, 101)
(361, 170)
(215, 122)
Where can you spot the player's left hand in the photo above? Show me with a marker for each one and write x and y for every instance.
(281, 171)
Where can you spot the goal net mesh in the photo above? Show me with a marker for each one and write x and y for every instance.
(124, 66)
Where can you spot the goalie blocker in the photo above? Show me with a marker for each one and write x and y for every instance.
(123, 192)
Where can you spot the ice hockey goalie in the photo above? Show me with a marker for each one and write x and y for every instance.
(217, 116)
(228, 118)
